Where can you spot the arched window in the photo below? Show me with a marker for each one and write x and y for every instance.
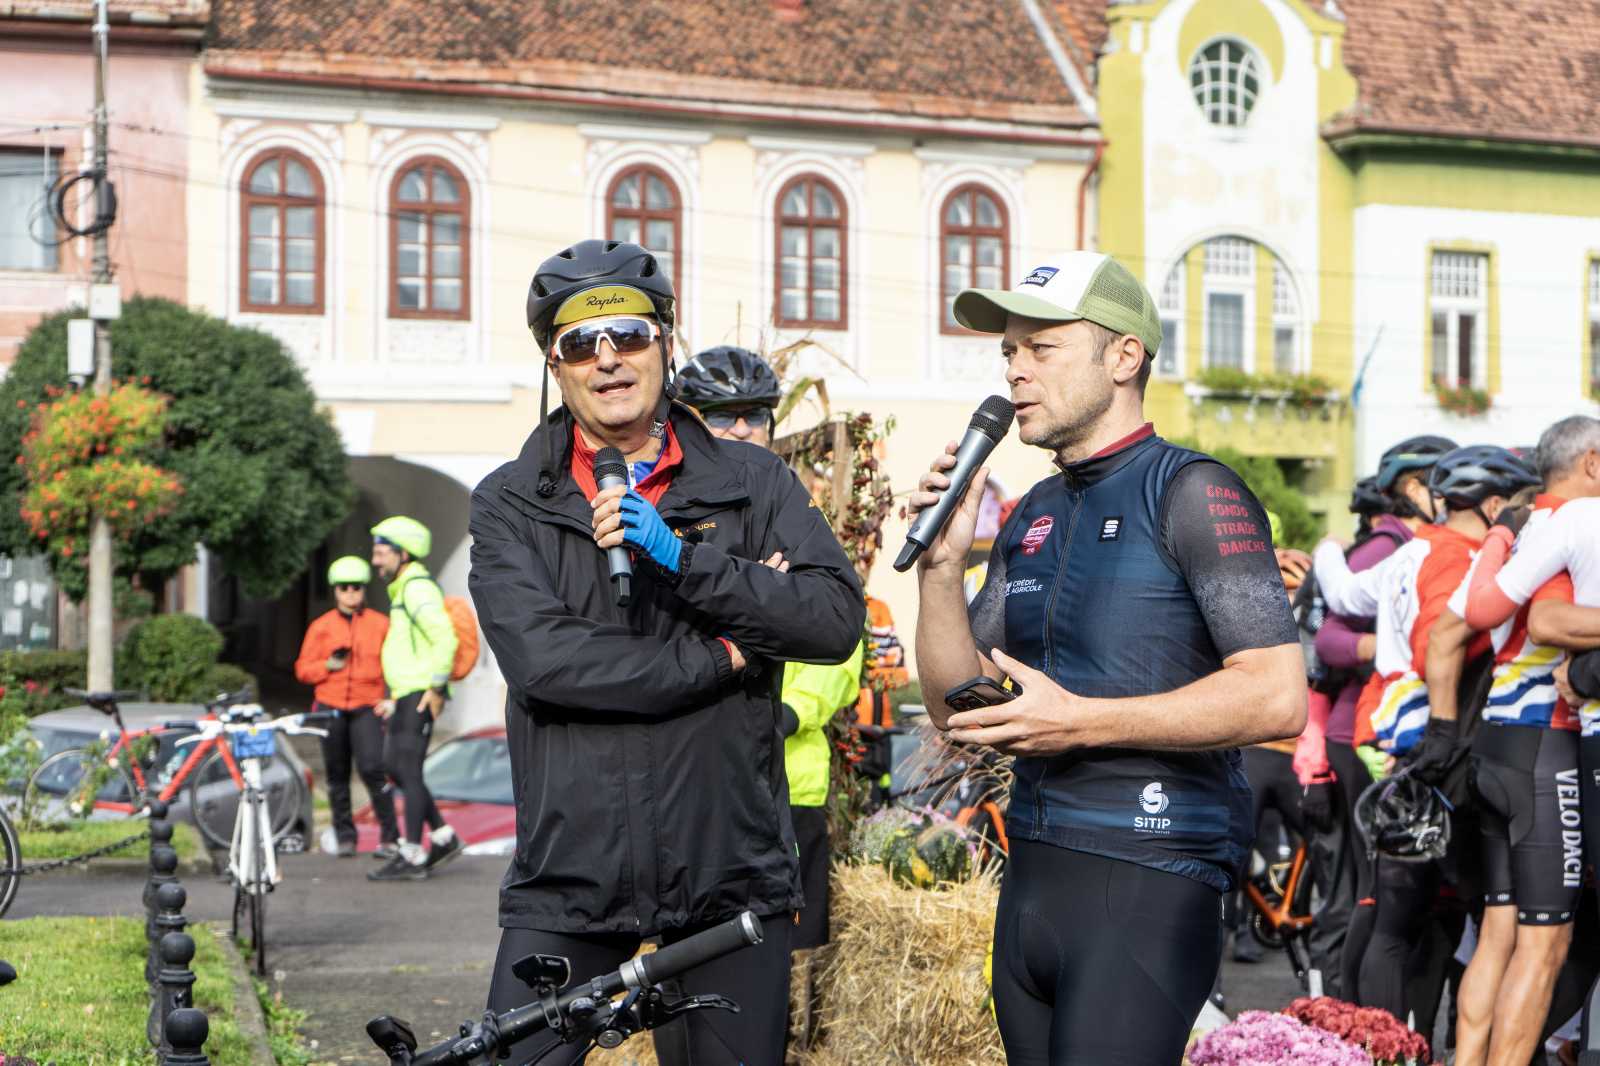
(282, 221)
(975, 241)
(1225, 78)
(643, 207)
(430, 224)
(812, 260)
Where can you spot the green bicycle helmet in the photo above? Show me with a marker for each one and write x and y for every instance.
(407, 534)
(349, 570)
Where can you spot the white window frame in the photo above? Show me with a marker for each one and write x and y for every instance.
(1286, 315)
(1225, 115)
(1170, 308)
(1216, 280)
(1453, 293)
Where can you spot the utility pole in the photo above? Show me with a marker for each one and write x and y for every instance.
(101, 619)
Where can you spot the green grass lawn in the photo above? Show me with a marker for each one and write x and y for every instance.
(57, 842)
(80, 997)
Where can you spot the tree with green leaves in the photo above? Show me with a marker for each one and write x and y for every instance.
(262, 469)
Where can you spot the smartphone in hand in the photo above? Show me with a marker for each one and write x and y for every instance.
(981, 691)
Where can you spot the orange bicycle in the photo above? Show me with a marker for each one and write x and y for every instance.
(1280, 896)
(112, 783)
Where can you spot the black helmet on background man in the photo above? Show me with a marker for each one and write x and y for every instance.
(727, 376)
(1468, 476)
(594, 264)
(1367, 500)
(1403, 817)
(1414, 453)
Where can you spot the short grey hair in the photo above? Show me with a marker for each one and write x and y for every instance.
(1564, 443)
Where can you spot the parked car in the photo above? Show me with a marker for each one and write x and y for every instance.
(470, 778)
(77, 727)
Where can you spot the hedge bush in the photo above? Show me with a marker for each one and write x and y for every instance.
(174, 661)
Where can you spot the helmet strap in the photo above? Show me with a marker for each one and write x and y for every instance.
(547, 475)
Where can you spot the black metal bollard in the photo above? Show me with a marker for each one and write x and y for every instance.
(175, 985)
(170, 900)
(157, 807)
(163, 871)
(186, 1034)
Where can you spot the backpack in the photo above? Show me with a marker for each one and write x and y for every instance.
(463, 621)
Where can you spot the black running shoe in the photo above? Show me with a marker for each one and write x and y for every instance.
(439, 854)
(398, 869)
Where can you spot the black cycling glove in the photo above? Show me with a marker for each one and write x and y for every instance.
(1513, 518)
(1435, 753)
(1584, 674)
(1316, 804)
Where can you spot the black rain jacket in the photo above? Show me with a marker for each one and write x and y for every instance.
(649, 779)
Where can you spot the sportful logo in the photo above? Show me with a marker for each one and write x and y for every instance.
(1040, 276)
(1034, 537)
(1111, 528)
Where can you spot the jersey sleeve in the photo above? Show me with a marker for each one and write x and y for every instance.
(1441, 574)
(1228, 563)
(1558, 588)
(1353, 594)
(1543, 553)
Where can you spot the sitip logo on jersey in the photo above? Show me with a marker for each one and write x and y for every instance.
(1154, 802)
(1034, 538)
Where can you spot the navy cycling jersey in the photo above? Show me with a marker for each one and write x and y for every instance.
(1132, 573)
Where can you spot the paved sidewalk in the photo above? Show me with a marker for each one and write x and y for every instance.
(340, 947)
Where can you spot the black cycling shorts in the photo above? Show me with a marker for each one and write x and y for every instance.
(1098, 961)
(1526, 778)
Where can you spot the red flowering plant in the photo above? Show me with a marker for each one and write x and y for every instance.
(1373, 1028)
(84, 454)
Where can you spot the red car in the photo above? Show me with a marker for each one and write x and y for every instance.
(470, 778)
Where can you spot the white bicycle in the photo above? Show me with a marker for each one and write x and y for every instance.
(252, 858)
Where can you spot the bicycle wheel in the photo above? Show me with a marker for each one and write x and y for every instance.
(75, 784)
(214, 799)
(10, 863)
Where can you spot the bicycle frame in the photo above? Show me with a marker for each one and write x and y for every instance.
(1281, 918)
(252, 832)
(179, 777)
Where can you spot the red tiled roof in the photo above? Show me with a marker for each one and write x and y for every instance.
(1517, 70)
(954, 58)
(1511, 70)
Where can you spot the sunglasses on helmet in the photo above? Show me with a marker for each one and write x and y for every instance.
(349, 586)
(627, 336)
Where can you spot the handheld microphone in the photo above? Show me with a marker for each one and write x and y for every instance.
(990, 423)
(611, 471)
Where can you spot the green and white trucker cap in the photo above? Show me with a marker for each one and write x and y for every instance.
(1072, 285)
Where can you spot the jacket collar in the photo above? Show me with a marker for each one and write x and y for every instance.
(1108, 460)
(700, 480)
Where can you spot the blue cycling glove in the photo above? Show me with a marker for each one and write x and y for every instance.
(644, 529)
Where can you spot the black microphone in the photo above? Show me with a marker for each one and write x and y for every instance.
(990, 423)
(611, 471)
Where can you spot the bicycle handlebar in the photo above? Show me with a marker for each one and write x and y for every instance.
(292, 724)
(485, 1039)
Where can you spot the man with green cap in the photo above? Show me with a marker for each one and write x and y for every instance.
(1133, 600)
(417, 656)
(342, 656)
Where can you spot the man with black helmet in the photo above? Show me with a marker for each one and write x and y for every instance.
(646, 739)
(734, 390)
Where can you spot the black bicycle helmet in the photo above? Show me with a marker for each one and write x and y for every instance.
(1468, 476)
(1367, 500)
(590, 264)
(1403, 817)
(727, 376)
(1414, 453)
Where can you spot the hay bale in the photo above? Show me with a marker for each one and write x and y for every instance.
(903, 979)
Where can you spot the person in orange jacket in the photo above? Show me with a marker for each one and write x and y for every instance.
(341, 656)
